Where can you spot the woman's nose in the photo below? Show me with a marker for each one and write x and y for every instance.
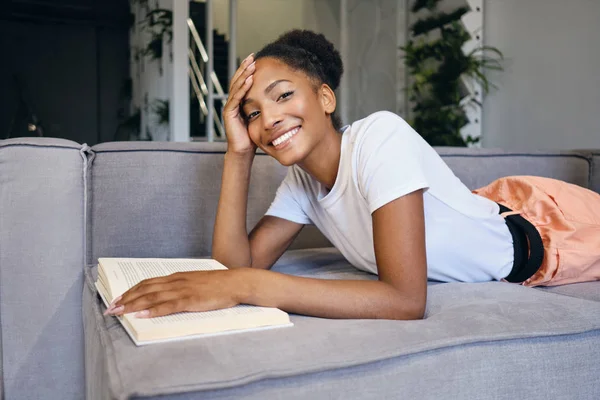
(271, 118)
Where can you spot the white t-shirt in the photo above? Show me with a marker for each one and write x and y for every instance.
(383, 158)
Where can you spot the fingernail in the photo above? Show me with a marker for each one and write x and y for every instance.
(248, 78)
(115, 301)
(142, 314)
(108, 310)
(250, 56)
(115, 310)
(252, 65)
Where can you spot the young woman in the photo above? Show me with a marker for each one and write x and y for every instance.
(378, 192)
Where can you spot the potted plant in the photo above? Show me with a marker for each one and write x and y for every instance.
(437, 64)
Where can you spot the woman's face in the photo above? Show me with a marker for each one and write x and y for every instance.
(286, 116)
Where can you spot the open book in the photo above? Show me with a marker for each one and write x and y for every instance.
(117, 275)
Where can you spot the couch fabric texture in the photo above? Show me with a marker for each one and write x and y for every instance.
(41, 249)
(63, 205)
(460, 317)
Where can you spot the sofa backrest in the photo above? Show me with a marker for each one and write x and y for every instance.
(160, 199)
(41, 256)
(63, 205)
(479, 167)
(595, 178)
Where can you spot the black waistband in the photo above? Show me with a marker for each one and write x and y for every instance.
(528, 247)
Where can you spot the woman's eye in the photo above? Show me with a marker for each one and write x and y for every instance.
(251, 115)
(285, 95)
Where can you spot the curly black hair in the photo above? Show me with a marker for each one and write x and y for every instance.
(311, 53)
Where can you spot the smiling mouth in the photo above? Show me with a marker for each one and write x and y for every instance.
(285, 137)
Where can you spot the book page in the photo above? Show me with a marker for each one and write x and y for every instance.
(124, 273)
(190, 323)
(198, 316)
(101, 287)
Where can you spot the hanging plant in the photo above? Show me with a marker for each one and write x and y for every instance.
(155, 48)
(129, 128)
(141, 3)
(161, 109)
(148, 137)
(159, 23)
(437, 68)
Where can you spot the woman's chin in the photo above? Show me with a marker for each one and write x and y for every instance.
(286, 161)
(288, 158)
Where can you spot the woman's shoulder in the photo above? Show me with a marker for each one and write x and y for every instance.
(380, 123)
(380, 117)
(380, 127)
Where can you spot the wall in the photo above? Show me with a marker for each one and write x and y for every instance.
(372, 64)
(261, 21)
(60, 90)
(72, 73)
(151, 78)
(549, 93)
(371, 68)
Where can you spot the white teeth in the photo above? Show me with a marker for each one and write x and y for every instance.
(283, 138)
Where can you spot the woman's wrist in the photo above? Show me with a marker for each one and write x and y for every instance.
(239, 160)
(244, 159)
(243, 285)
(240, 154)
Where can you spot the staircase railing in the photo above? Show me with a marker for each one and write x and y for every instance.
(197, 71)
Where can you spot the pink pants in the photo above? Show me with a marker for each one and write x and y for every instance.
(567, 217)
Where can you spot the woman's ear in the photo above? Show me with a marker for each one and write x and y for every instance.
(328, 100)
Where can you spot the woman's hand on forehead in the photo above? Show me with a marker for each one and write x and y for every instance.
(238, 140)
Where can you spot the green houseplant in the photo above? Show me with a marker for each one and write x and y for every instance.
(436, 63)
(159, 22)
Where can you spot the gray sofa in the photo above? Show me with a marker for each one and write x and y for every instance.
(63, 205)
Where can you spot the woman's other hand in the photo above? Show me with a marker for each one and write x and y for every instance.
(179, 292)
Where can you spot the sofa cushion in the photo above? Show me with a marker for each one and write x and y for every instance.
(583, 290)
(595, 179)
(160, 199)
(499, 370)
(459, 319)
(41, 250)
(479, 167)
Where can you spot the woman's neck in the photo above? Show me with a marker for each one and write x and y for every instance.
(323, 162)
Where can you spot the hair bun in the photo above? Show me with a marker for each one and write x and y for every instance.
(323, 50)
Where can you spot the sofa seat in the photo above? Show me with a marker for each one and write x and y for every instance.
(482, 340)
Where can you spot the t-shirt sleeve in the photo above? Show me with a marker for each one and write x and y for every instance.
(389, 160)
(289, 199)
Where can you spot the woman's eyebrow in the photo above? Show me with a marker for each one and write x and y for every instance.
(267, 90)
(272, 85)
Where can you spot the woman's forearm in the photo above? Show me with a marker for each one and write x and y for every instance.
(230, 238)
(327, 298)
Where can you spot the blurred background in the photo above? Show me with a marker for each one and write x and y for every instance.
(495, 73)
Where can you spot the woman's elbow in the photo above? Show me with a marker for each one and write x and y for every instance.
(408, 311)
(417, 312)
